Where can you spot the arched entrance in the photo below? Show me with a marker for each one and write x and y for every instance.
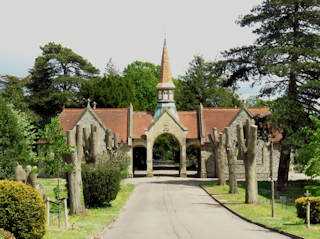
(166, 155)
(193, 160)
(139, 158)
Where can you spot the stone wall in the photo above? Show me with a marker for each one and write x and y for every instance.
(262, 154)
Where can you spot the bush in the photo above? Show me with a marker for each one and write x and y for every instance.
(6, 235)
(22, 210)
(101, 184)
(313, 190)
(301, 206)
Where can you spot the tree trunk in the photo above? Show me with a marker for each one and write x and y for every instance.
(247, 152)
(74, 177)
(231, 155)
(218, 148)
(284, 166)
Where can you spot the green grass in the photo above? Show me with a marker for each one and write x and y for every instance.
(285, 214)
(90, 223)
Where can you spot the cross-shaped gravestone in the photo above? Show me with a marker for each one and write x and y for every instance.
(307, 194)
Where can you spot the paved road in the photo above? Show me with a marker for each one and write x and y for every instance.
(174, 208)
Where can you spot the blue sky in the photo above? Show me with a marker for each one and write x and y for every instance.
(123, 30)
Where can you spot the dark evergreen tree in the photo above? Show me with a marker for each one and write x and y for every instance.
(55, 80)
(285, 59)
(200, 84)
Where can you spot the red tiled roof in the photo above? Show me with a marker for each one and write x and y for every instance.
(189, 119)
(217, 117)
(115, 119)
(69, 117)
(141, 121)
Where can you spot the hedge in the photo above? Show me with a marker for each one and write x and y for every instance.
(301, 206)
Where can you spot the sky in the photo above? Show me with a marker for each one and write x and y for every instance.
(124, 30)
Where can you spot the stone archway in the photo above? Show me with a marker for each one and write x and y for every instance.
(194, 159)
(166, 123)
(166, 155)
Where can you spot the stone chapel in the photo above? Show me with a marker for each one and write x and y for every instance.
(189, 128)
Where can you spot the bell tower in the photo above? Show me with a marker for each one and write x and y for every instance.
(165, 87)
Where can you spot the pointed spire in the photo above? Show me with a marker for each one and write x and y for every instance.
(165, 79)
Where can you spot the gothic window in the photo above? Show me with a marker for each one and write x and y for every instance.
(160, 94)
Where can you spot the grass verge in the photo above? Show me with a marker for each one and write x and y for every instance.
(90, 223)
(285, 214)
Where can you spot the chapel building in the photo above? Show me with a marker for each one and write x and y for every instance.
(140, 129)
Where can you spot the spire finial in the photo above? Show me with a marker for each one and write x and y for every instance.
(94, 105)
(165, 40)
(88, 105)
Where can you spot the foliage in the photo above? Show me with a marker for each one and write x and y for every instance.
(109, 91)
(301, 205)
(22, 210)
(116, 158)
(6, 234)
(255, 101)
(12, 90)
(101, 184)
(314, 190)
(53, 148)
(55, 80)
(165, 148)
(143, 76)
(17, 137)
(284, 58)
(201, 84)
(309, 154)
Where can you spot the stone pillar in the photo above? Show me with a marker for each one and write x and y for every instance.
(130, 167)
(149, 158)
(183, 159)
(203, 168)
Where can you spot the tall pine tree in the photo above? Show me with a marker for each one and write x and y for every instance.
(285, 58)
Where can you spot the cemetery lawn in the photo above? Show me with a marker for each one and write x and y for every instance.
(88, 224)
(285, 214)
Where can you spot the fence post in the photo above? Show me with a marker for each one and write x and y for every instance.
(66, 213)
(48, 211)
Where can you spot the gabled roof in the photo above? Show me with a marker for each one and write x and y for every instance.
(117, 120)
(114, 119)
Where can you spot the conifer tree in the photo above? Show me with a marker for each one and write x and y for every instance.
(285, 59)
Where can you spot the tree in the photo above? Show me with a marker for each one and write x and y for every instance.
(285, 59)
(52, 152)
(144, 77)
(255, 101)
(247, 152)
(12, 90)
(200, 84)
(109, 91)
(17, 137)
(55, 80)
(230, 146)
(309, 154)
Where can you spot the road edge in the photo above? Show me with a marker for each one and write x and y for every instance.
(248, 220)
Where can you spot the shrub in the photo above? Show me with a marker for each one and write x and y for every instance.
(301, 206)
(6, 235)
(101, 184)
(22, 210)
(313, 190)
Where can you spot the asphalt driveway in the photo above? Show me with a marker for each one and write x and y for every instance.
(171, 208)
